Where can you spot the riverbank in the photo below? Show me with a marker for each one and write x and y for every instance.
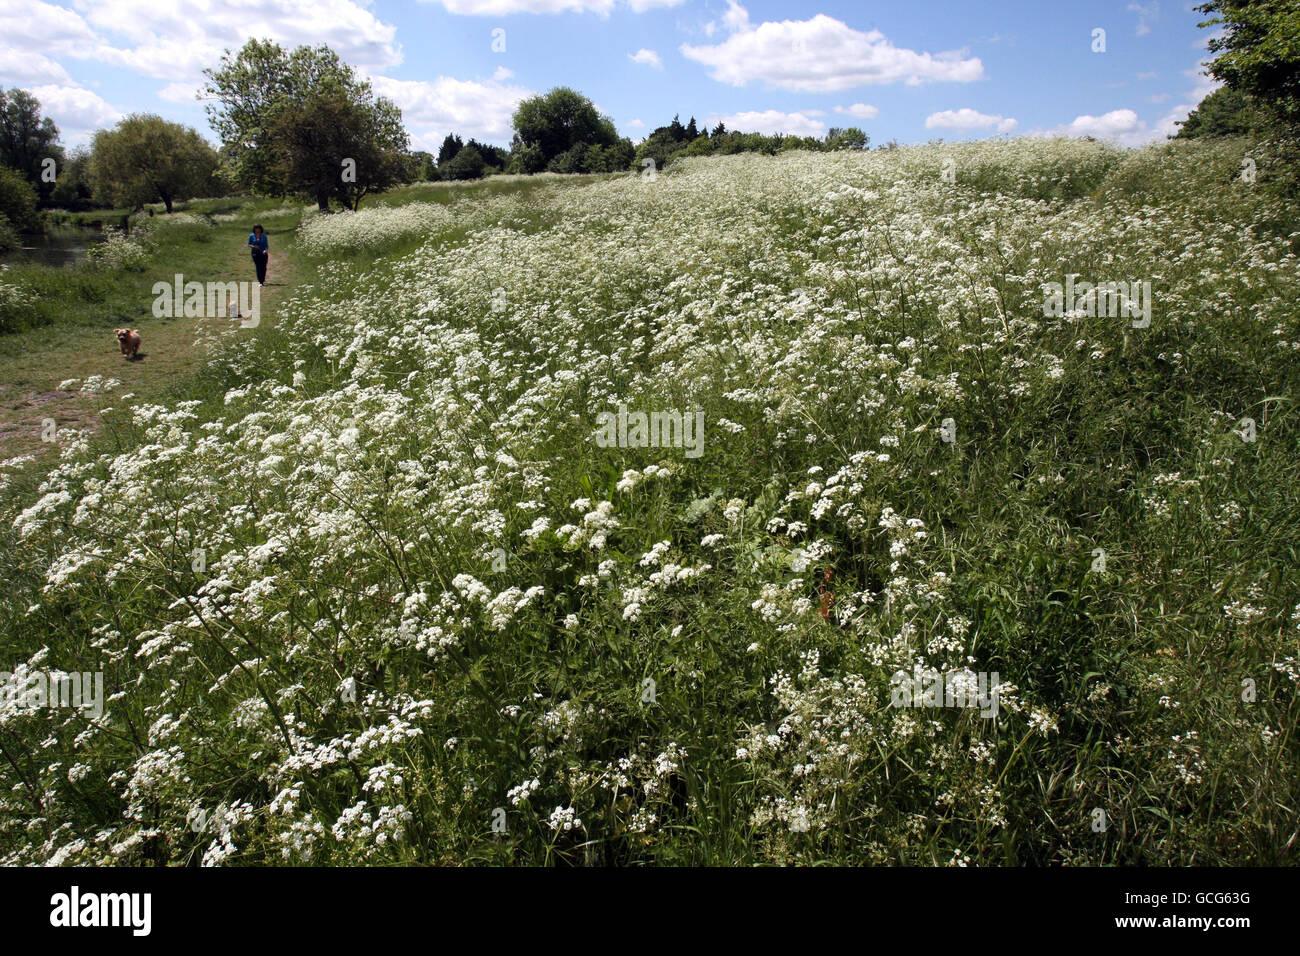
(59, 323)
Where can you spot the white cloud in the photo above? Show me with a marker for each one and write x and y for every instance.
(1202, 87)
(1204, 40)
(1158, 97)
(641, 6)
(968, 119)
(77, 112)
(771, 122)
(1123, 126)
(1148, 76)
(859, 111)
(635, 124)
(501, 73)
(185, 93)
(735, 19)
(468, 108)
(20, 68)
(1168, 124)
(1146, 15)
(821, 55)
(501, 8)
(1118, 126)
(176, 39)
(648, 57)
(1112, 125)
(31, 26)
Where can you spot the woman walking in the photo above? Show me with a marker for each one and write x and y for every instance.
(261, 251)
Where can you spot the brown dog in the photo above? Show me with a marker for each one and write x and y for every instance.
(129, 341)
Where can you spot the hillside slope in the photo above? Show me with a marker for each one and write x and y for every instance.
(402, 593)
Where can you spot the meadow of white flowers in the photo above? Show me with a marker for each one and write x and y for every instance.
(383, 598)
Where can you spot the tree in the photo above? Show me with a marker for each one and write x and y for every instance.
(810, 143)
(265, 108)
(526, 159)
(243, 92)
(849, 138)
(692, 133)
(665, 142)
(449, 148)
(466, 164)
(609, 159)
(422, 165)
(18, 201)
(73, 188)
(1258, 52)
(145, 158)
(495, 157)
(553, 123)
(337, 143)
(703, 146)
(27, 139)
(720, 129)
(487, 161)
(1225, 112)
(571, 160)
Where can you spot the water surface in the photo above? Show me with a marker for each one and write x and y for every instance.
(61, 245)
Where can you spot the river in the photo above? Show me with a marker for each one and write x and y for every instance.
(60, 245)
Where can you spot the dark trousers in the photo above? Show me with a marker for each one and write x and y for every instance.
(259, 260)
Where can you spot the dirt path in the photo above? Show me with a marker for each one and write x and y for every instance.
(29, 380)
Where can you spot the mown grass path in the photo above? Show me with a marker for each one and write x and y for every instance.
(33, 363)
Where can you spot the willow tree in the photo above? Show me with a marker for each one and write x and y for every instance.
(145, 158)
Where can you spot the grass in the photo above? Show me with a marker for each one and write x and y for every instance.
(450, 192)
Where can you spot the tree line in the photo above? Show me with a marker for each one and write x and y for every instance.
(301, 123)
(1258, 61)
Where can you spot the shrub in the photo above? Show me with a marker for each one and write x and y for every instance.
(468, 163)
(118, 251)
(14, 301)
(526, 160)
(9, 238)
(18, 201)
(570, 161)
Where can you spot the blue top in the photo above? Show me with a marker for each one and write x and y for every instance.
(259, 245)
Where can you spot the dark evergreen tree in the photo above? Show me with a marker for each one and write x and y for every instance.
(449, 148)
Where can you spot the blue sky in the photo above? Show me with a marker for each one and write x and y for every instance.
(910, 70)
